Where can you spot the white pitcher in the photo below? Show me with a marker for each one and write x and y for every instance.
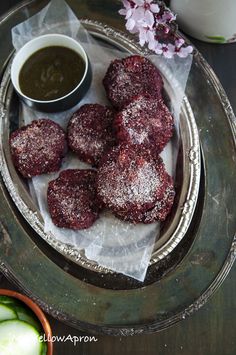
(207, 20)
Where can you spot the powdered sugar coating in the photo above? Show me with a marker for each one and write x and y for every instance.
(90, 132)
(160, 210)
(38, 148)
(129, 77)
(72, 199)
(146, 121)
(162, 207)
(130, 180)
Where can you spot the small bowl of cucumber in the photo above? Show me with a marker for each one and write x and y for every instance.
(24, 329)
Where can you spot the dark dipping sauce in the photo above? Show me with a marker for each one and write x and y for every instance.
(51, 73)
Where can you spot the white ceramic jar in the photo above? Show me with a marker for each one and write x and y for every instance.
(207, 20)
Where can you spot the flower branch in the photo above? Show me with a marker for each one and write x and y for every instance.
(155, 25)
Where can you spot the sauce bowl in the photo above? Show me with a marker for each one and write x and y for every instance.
(62, 103)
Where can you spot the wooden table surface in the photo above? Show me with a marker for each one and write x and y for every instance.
(210, 331)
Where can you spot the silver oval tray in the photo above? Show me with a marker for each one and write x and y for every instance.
(177, 225)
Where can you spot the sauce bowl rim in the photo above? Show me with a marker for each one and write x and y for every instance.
(16, 71)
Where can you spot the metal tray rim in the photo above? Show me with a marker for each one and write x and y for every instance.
(191, 158)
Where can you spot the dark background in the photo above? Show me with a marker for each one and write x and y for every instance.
(210, 331)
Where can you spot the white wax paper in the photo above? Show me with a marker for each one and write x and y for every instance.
(117, 245)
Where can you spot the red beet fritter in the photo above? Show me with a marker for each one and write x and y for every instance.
(90, 132)
(162, 207)
(145, 121)
(130, 181)
(160, 210)
(72, 199)
(129, 77)
(38, 148)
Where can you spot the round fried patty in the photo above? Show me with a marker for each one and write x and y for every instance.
(130, 181)
(146, 121)
(90, 132)
(72, 199)
(38, 148)
(129, 77)
(160, 210)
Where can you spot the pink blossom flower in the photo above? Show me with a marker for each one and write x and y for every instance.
(138, 13)
(147, 35)
(148, 5)
(168, 50)
(179, 42)
(141, 17)
(130, 24)
(181, 51)
(144, 17)
(128, 12)
(167, 17)
(158, 48)
(128, 9)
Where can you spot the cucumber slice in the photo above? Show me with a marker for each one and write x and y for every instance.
(9, 300)
(22, 312)
(27, 316)
(18, 337)
(44, 349)
(7, 313)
